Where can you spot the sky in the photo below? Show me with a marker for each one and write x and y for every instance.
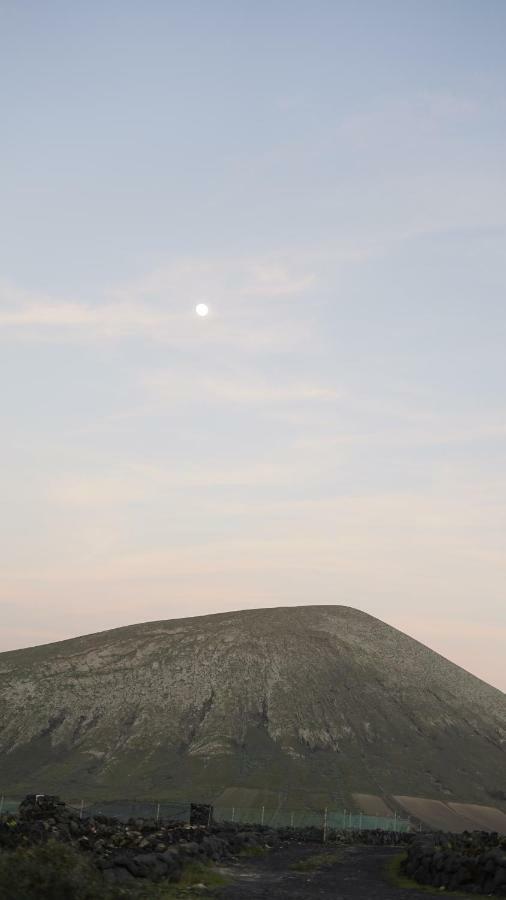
(329, 178)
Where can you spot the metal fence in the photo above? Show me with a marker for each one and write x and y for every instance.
(179, 810)
(134, 809)
(8, 805)
(302, 818)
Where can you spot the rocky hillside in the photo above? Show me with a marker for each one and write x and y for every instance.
(299, 701)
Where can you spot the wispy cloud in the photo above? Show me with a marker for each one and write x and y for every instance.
(240, 387)
(135, 483)
(400, 118)
(246, 297)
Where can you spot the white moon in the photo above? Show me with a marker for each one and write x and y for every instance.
(202, 309)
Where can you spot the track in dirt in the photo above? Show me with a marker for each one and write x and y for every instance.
(348, 873)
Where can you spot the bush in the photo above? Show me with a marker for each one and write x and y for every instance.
(51, 871)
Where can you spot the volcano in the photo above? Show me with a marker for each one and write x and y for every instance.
(306, 704)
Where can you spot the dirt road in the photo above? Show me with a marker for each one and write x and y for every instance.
(297, 872)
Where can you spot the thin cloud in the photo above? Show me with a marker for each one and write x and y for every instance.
(246, 298)
(422, 113)
(138, 483)
(240, 387)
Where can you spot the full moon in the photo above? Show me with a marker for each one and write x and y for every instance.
(202, 309)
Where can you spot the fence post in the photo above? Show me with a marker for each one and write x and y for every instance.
(1, 804)
(233, 813)
(360, 826)
(291, 821)
(263, 813)
(81, 810)
(157, 812)
(395, 821)
(344, 820)
(325, 826)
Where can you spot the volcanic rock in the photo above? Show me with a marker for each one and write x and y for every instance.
(300, 702)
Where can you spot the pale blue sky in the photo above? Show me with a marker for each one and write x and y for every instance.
(330, 178)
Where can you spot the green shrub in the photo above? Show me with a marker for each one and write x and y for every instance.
(51, 871)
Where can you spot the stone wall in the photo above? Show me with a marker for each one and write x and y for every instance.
(472, 861)
(145, 848)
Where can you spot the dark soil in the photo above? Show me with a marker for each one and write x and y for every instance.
(354, 873)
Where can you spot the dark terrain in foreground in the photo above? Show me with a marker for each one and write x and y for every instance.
(48, 852)
(350, 873)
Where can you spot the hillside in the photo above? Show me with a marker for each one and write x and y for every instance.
(303, 701)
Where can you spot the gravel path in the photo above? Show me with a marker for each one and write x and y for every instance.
(353, 873)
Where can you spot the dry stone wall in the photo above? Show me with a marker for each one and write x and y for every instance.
(472, 861)
(157, 851)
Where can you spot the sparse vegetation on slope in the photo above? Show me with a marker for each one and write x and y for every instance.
(302, 703)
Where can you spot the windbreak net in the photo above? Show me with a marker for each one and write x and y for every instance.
(305, 818)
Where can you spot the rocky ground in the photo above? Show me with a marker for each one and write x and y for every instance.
(139, 849)
(298, 872)
(148, 859)
(473, 861)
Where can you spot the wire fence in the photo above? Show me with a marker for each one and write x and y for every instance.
(8, 805)
(303, 818)
(175, 810)
(180, 811)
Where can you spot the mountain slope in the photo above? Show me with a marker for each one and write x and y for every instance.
(314, 700)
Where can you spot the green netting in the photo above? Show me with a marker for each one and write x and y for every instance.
(135, 809)
(256, 815)
(302, 818)
(9, 805)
